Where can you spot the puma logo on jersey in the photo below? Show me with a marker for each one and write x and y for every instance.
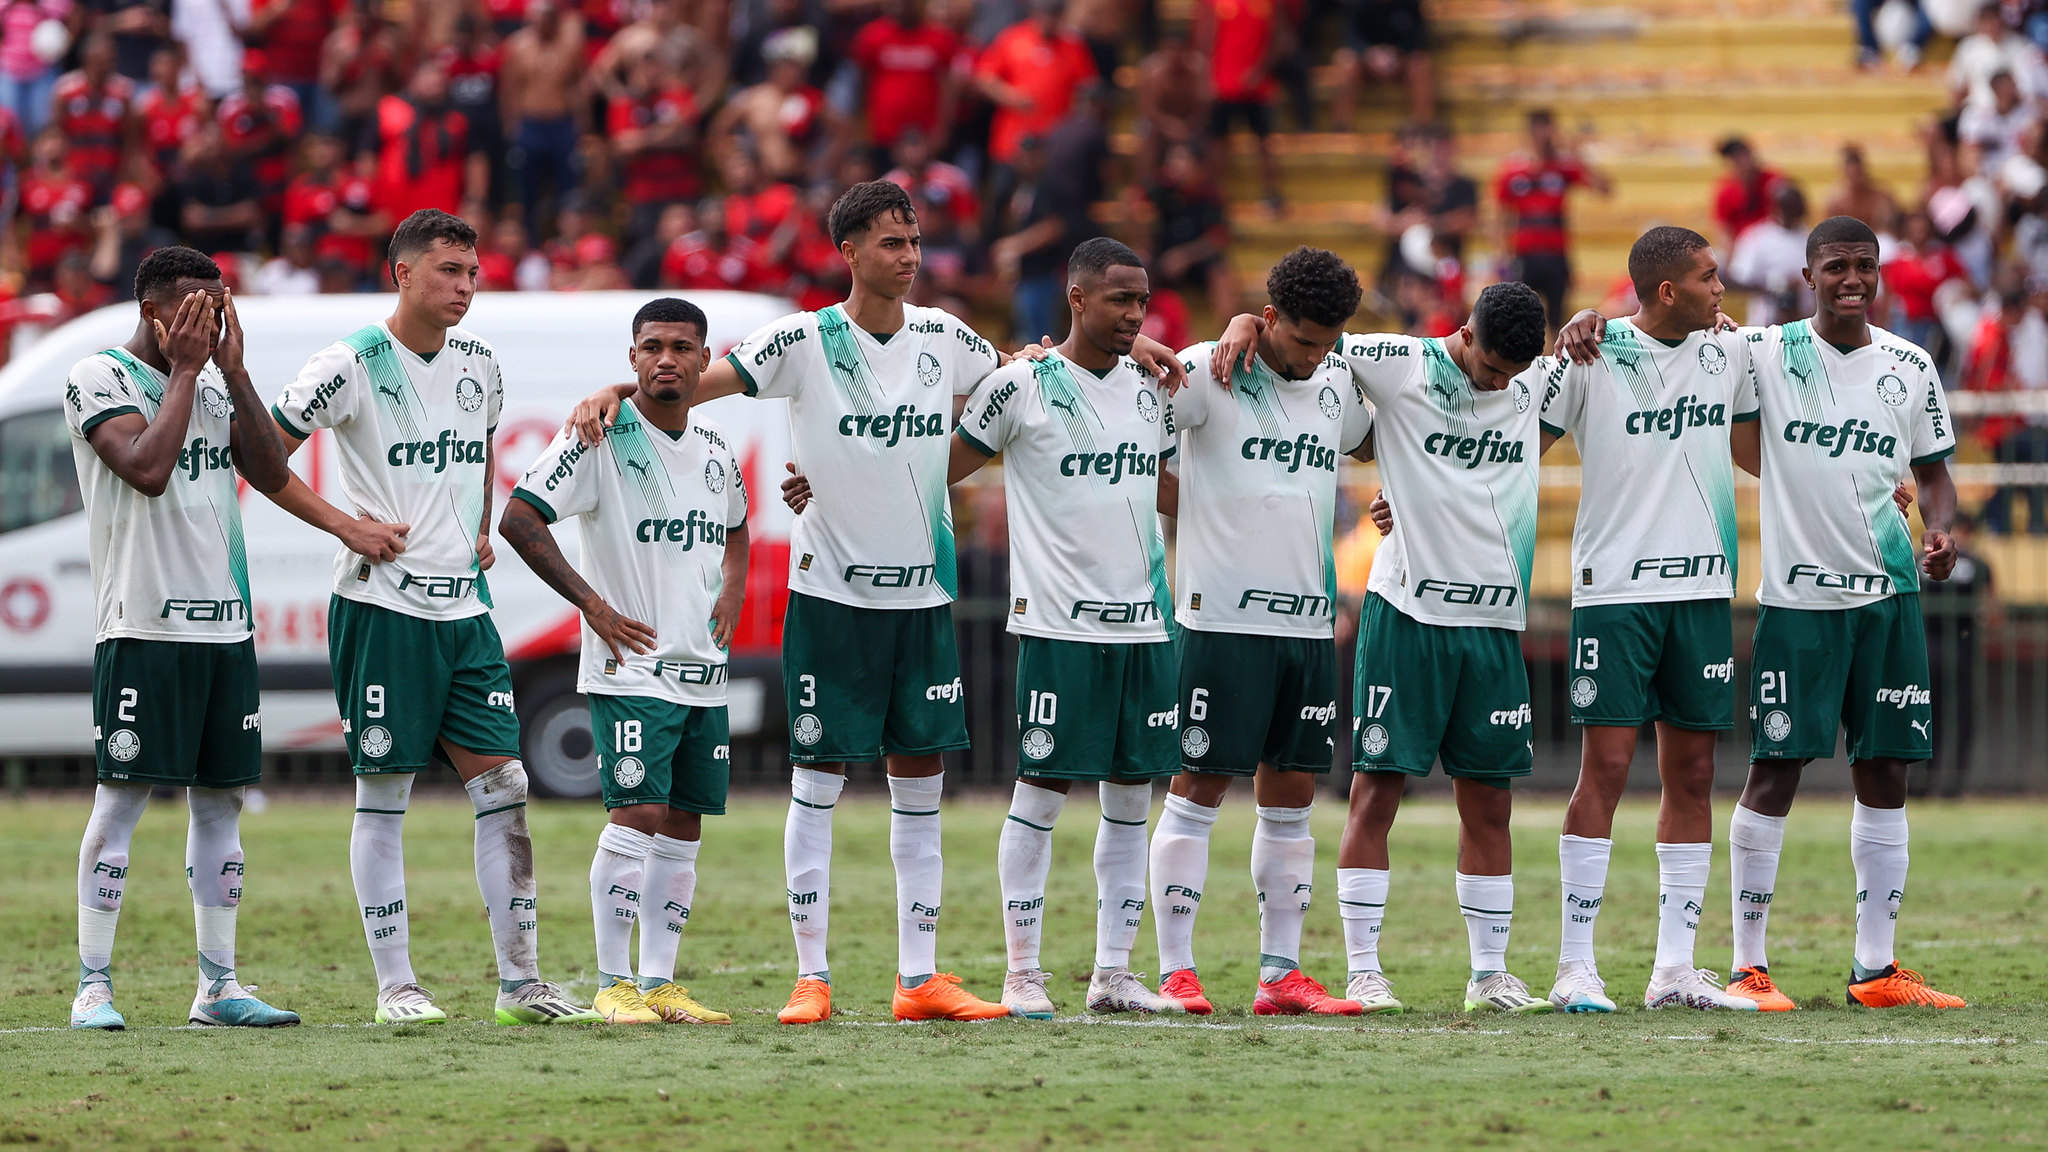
(639, 466)
(1066, 406)
(448, 448)
(1685, 412)
(1849, 434)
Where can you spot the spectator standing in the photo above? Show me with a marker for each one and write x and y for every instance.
(784, 120)
(1532, 189)
(292, 34)
(424, 158)
(1768, 261)
(1190, 232)
(908, 64)
(1032, 249)
(1952, 610)
(1242, 39)
(541, 90)
(334, 200)
(1385, 41)
(933, 182)
(653, 129)
(259, 125)
(1917, 270)
(218, 200)
(139, 28)
(123, 235)
(1029, 73)
(360, 65)
(95, 109)
(56, 205)
(1743, 195)
(1862, 197)
(26, 78)
(1174, 101)
(171, 109)
(2012, 438)
(473, 62)
(211, 31)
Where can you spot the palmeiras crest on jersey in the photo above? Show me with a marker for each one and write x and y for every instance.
(714, 476)
(469, 393)
(1713, 361)
(1328, 401)
(213, 402)
(1891, 390)
(1148, 405)
(928, 370)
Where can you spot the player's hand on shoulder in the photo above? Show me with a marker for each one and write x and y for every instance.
(187, 341)
(1579, 340)
(796, 491)
(1238, 345)
(1939, 557)
(593, 415)
(372, 539)
(1161, 363)
(619, 632)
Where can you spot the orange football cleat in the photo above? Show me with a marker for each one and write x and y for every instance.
(1755, 984)
(1896, 987)
(942, 998)
(810, 1002)
(1296, 994)
(1186, 987)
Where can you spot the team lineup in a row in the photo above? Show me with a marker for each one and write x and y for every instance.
(1124, 678)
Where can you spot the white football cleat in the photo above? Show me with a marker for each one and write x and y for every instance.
(539, 1002)
(408, 1004)
(1692, 988)
(1580, 989)
(1503, 992)
(1372, 992)
(1024, 994)
(1121, 990)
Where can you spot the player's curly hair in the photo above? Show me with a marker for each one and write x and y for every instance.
(1507, 321)
(419, 231)
(671, 310)
(860, 206)
(161, 270)
(1838, 230)
(1659, 255)
(1316, 285)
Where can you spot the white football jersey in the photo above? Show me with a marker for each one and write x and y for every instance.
(653, 511)
(870, 423)
(1459, 467)
(413, 435)
(1656, 515)
(1840, 430)
(169, 567)
(1258, 495)
(1081, 457)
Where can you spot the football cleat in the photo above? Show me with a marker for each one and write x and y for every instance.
(1372, 992)
(1024, 994)
(408, 1004)
(622, 1003)
(941, 997)
(1693, 988)
(1897, 987)
(234, 1007)
(1580, 989)
(1186, 987)
(1755, 985)
(539, 1002)
(673, 1003)
(1122, 990)
(1503, 992)
(1295, 994)
(810, 1002)
(94, 1008)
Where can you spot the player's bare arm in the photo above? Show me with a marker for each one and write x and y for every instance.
(1938, 513)
(256, 445)
(529, 535)
(144, 452)
(1169, 493)
(732, 572)
(366, 536)
(593, 415)
(485, 554)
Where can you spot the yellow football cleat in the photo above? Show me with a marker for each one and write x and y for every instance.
(622, 1003)
(671, 1001)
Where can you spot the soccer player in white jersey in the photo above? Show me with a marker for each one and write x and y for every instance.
(1653, 575)
(869, 664)
(157, 437)
(1256, 593)
(1439, 667)
(1848, 409)
(663, 514)
(1083, 433)
(419, 671)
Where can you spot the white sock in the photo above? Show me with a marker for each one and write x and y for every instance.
(1283, 874)
(615, 879)
(807, 865)
(1582, 866)
(1682, 871)
(504, 872)
(213, 870)
(1023, 859)
(1180, 868)
(1754, 842)
(1362, 903)
(920, 873)
(667, 887)
(1120, 871)
(1488, 903)
(103, 875)
(1877, 844)
(376, 862)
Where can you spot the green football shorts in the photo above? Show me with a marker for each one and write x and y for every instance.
(1089, 711)
(176, 712)
(1425, 691)
(1247, 699)
(1813, 671)
(403, 684)
(653, 751)
(1671, 660)
(865, 682)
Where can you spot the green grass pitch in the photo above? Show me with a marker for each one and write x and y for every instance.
(1824, 1077)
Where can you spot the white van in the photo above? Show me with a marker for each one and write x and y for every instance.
(553, 349)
